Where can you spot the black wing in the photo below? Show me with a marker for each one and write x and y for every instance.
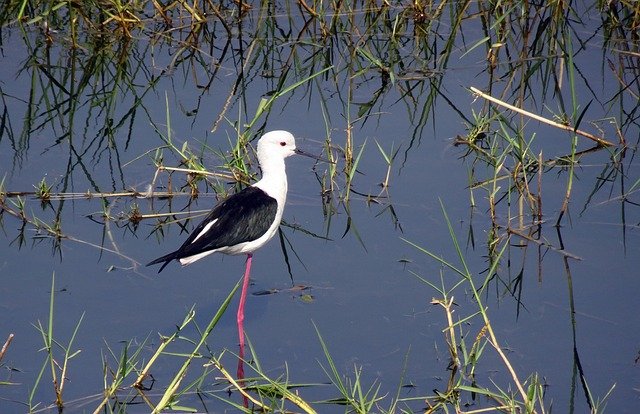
(243, 217)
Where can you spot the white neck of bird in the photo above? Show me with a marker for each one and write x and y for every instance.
(274, 179)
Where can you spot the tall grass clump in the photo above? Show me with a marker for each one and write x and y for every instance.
(58, 356)
(470, 337)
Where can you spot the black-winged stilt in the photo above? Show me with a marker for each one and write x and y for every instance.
(245, 221)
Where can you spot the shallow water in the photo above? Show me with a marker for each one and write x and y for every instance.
(369, 308)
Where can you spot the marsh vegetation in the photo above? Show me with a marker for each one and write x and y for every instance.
(484, 153)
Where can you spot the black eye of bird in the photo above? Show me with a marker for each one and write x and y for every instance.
(282, 143)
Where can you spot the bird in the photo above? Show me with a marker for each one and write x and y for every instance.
(245, 221)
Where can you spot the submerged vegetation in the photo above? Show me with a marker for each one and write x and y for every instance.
(95, 71)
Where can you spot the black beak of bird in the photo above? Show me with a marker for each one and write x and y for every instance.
(306, 154)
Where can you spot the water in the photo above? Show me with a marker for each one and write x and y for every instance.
(369, 308)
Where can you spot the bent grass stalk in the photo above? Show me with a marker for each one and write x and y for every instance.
(600, 141)
(165, 342)
(487, 331)
(272, 388)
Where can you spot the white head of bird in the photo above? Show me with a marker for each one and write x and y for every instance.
(273, 148)
(276, 145)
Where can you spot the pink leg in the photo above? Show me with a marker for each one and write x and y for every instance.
(240, 317)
